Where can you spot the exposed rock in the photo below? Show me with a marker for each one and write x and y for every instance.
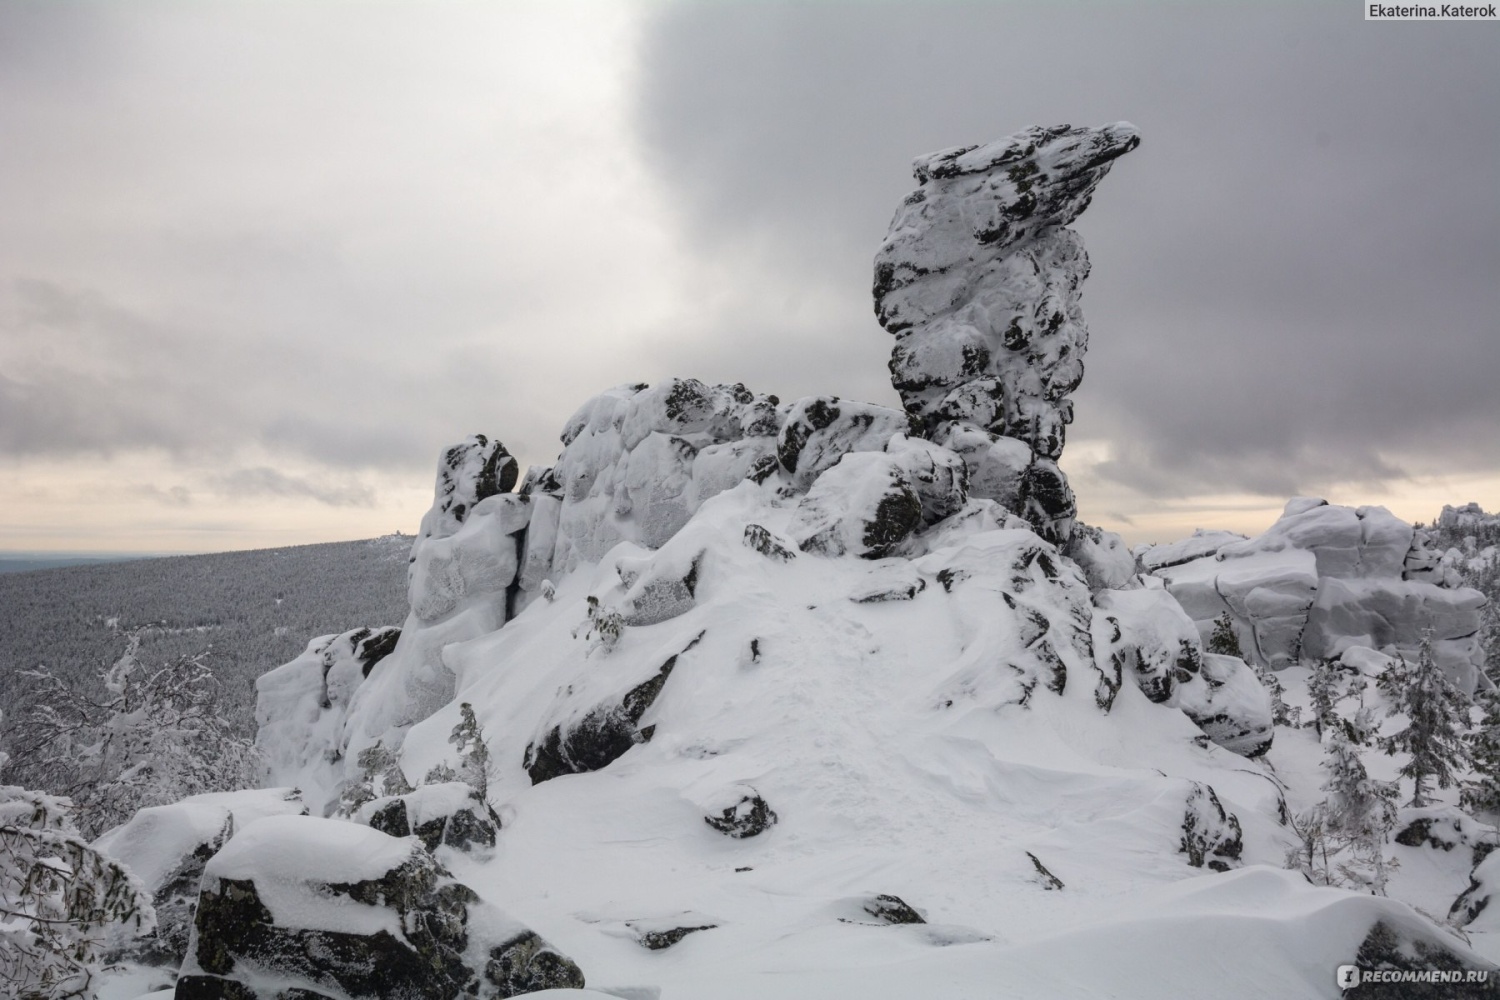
(1106, 563)
(1473, 904)
(938, 475)
(1157, 642)
(167, 847)
(888, 909)
(301, 708)
(1227, 701)
(1324, 579)
(448, 814)
(602, 734)
(767, 544)
(311, 907)
(980, 285)
(1210, 836)
(863, 506)
(740, 813)
(661, 588)
(1388, 947)
(821, 430)
(1043, 876)
(659, 933)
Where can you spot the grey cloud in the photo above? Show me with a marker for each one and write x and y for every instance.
(267, 482)
(1294, 275)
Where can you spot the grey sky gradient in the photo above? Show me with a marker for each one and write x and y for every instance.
(281, 254)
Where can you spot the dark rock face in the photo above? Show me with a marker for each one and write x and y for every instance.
(980, 285)
(820, 430)
(469, 471)
(749, 817)
(890, 909)
(659, 938)
(865, 505)
(761, 540)
(1386, 947)
(1210, 836)
(450, 814)
(603, 735)
(422, 952)
(176, 901)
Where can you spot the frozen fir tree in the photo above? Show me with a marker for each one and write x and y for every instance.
(1359, 812)
(1437, 715)
(61, 901)
(380, 775)
(1222, 640)
(1481, 793)
(1323, 694)
(473, 755)
(156, 735)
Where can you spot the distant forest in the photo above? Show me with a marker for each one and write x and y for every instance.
(244, 612)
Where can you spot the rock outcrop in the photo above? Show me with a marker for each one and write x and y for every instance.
(447, 814)
(979, 280)
(301, 906)
(1326, 579)
(167, 847)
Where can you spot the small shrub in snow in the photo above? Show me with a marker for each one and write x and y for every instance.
(1322, 691)
(1223, 641)
(473, 755)
(605, 626)
(381, 775)
(1437, 713)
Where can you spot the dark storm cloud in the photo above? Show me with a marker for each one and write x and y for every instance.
(1295, 275)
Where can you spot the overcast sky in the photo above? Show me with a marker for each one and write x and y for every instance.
(260, 262)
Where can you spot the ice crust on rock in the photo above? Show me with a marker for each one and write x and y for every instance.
(980, 281)
(1325, 579)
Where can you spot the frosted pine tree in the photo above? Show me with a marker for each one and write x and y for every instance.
(1358, 810)
(1437, 714)
(474, 756)
(1481, 794)
(1322, 691)
(1222, 640)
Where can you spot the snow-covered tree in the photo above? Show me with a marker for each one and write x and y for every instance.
(1281, 713)
(380, 775)
(1482, 792)
(1323, 693)
(61, 901)
(156, 735)
(1222, 640)
(474, 756)
(1437, 714)
(1359, 811)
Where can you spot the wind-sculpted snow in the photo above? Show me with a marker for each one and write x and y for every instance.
(980, 285)
(1325, 580)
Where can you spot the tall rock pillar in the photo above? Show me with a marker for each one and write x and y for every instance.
(979, 281)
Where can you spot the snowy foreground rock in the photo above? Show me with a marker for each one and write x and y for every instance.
(821, 698)
(1328, 582)
(307, 907)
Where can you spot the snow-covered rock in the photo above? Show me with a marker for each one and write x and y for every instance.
(446, 814)
(302, 706)
(167, 847)
(1472, 908)
(980, 284)
(296, 905)
(1324, 579)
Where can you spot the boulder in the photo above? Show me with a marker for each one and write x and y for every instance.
(167, 847)
(1157, 643)
(307, 907)
(739, 812)
(863, 506)
(447, 814)
(1211, 836)
(1228, 702)
(821, 430)
(1473, 907)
